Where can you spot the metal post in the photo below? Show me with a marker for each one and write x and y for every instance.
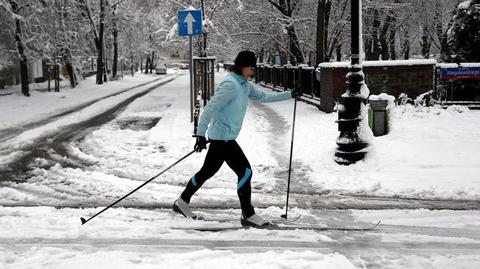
(191, 78)
(351, 144)
(49, 70)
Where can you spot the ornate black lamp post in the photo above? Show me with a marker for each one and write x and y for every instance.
(351, 142)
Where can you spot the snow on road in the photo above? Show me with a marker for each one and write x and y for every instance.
(19, 110)
(45, 237)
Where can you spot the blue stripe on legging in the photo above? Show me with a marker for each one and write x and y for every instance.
(194, 182)
(244, 179)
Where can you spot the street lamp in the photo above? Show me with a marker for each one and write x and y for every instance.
(352, 139)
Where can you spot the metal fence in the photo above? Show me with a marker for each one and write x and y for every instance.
(203, 84)
(288, 77)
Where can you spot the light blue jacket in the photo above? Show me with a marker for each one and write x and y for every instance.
(223, 115)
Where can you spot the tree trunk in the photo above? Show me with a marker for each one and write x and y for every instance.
(105, 65)
(152, 63)
(67, 59)
(372, 46)
(203, 50)
(393, 53)
(20, 49)
(115, 42)
(65, 52)
(375, 42)
(115, 54)
(441, 33)
(320, 48)
(100, 64)
(328, 8)
(383, 36)
(406, 44)
(426, 44)
(338, 50)
(283, 56)
(147, 65)
(260, 55)
(296, 55)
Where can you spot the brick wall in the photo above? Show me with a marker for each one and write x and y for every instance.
(412, 78)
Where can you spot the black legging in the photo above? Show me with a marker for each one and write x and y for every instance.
(230, 152)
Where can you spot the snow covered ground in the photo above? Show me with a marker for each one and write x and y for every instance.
(45, 237)
(431, 153)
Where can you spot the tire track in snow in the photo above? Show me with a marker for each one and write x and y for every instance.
(19, 170)
(155, 245)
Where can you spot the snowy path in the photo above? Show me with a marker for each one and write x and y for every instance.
(129, 237)
(277, 132)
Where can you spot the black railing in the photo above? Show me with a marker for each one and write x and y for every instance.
(288, 77)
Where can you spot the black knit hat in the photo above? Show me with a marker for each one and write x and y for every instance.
(246, 59)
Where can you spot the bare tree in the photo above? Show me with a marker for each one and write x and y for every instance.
(323, 14)
(97, 35)
(15, 10)
(287, 7)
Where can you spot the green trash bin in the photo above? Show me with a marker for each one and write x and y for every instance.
(379, 117)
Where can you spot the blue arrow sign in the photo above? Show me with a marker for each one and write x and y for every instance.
(189, 22)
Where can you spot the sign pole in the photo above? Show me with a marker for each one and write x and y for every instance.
(190, 24)
(191, 78)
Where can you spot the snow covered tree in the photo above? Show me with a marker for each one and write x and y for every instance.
(16, 11)
(97, 32)
(287, 8)
(381, 23)
(54, 34)
(115, 38)
(464, 36)
(337, 32)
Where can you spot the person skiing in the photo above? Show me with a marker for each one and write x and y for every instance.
(223, 116)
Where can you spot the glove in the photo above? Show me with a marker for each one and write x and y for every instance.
(201, 143)
(297, 92)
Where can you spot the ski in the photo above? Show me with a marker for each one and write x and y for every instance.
(290, 220)
(279, 227)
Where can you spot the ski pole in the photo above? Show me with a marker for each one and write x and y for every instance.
(290, 163)
(136, 189)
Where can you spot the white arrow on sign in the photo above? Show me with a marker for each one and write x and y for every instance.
(189, 20)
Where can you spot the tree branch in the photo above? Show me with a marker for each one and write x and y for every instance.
(275, 4)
